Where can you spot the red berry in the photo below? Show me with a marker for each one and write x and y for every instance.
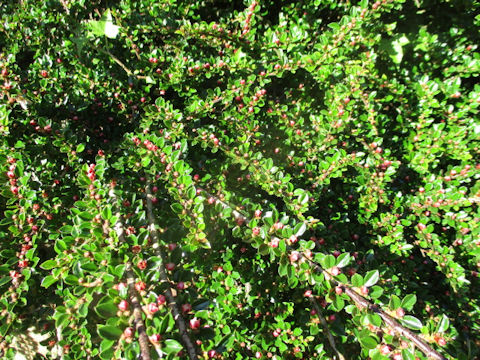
(212, 354)
(186, 308)
(385, 349)
(170, 266)
(294, 256)
(278, 226)
(123, 305)
(142, 264)
(335, 271)
(128, 332)
(161, 300)
(400, 312)
(194, 323)
(274, 242)
(140, 286)
(155, 338)
(152, 308)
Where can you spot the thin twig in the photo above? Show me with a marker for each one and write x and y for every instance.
(330, 338)
(137, 313)
(119, 62)
(180, 322)
(137, 308)
(95, 283)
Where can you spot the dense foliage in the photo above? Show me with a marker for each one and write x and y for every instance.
(239, 179)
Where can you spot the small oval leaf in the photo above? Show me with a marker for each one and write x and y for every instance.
(412, 322)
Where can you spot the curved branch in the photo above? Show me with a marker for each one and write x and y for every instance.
(180, 322)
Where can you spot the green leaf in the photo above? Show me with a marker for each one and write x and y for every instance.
(282, 269)
(106, 308)
(411, 322)
(71, 280)
(264, 249)
(374, 319)
(167, 324)
(4, 280)
(104, 27)
(338, 303)
(394, 302)
(62, 320)
(172, 346)
(107, 212)
(48, 281)
(60, 246)
(80, 148)
(343, 260)
(375, 292)
(107, 354)
(408, 302)
(443, 324)
(329, 261)
(357, 280)
(394, 47)
(407, 355)
(371, 278)
(109, 332)
(368, 342)
(49, 264)
(177, 208)
(300, 229)
(83, 310)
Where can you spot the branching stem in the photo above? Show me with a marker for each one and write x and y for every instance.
(172, 304)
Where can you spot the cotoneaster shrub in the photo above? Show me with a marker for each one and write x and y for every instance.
(234, 180)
